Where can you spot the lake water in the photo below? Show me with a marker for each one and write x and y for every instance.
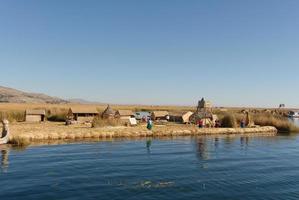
(182, 168)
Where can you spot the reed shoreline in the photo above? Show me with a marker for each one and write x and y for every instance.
(48, 131)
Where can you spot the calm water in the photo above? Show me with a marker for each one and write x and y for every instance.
(182, 168)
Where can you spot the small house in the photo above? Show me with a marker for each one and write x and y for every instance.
(82, 114)
(160, 115)
(35, 115)
(181, 117)
(126, 116)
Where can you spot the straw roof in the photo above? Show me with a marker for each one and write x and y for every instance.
(84, 110)
(35, 112)
(109, 111)
(160, 113)
(179, 114)
(124, 113)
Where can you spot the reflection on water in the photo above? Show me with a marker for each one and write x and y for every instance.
(148, 145)
(202, 149)
(244, 141)
(4, 160)
(204, 145)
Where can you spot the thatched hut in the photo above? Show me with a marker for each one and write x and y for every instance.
(126, 116)
(159, 115)
(108, 113)
(82, 114)
(35, 115)
(182, 117)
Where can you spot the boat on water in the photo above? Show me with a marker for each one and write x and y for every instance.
(294, 114)
(4, 137)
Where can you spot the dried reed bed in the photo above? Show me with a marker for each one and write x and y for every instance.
(281, 123)
(100, 107)
(58, 131)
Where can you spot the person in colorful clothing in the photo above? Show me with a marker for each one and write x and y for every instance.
(149, 124)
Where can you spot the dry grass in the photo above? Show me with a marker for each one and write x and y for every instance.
(233, 119)
(19, 142)
(282, 124)
(100, 107)
(229, 121)
(57, 114)
(100, 122)
(12, 116)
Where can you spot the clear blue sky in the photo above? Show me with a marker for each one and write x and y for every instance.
(233, 52)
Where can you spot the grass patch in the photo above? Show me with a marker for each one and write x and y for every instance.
(282, 124)
(229, 121)
(12, 116)
(57, 115)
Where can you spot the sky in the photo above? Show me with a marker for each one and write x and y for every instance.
(168, 52)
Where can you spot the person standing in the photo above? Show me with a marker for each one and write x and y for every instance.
(243, 123)
(200, 123)
(149, 124)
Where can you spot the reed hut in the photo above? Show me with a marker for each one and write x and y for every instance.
(82, 114)
(160, 115)
(108, 113)
(126, 116)
(182, 117)
(35, 115)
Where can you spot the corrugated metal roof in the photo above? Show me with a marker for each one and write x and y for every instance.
(35, 112)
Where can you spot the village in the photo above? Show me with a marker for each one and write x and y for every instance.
(89, 123)
(203, 116)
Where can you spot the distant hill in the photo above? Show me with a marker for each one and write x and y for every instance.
(83, 101)
(10, 95)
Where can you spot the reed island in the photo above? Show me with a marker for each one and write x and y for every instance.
(80, 122)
